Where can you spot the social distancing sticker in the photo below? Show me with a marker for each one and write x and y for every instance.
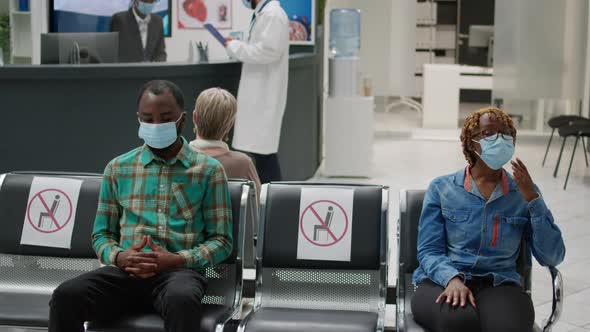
(325, 224)
(51, 212)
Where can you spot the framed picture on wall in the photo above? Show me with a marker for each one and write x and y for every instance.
(95, 15)
(302, 21)
(193, 14)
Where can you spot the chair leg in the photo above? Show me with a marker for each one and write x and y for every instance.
(571, 162)
(559, 158)
(585, 151)
(548, 145)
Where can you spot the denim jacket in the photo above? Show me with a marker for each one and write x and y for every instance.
(462, 234)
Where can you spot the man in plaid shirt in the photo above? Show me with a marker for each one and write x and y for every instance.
(164, 215)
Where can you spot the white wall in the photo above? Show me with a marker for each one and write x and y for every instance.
(4, 6)
(39, 25)
(177, 46)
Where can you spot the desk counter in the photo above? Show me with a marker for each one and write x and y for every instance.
(77, 118)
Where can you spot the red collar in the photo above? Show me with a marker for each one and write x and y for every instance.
(467, 181)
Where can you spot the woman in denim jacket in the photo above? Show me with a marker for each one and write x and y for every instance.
(470, 234)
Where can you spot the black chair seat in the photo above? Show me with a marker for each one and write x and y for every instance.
(30, 310)
(578, 129)
(565, 124)
(297, 320)
(562, 120)
(154, 323)
(575, 129)
(37, 315)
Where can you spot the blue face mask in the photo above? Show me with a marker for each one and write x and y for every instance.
(158, 136)
(145, 8)
(496, 153)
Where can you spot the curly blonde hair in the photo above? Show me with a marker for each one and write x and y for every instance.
(472, 124)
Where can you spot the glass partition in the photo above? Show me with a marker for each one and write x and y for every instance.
(539, 58)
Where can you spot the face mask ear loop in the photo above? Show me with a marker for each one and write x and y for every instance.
(178, 130)
(479, 155)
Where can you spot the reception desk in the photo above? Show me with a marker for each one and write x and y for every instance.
(78, 118)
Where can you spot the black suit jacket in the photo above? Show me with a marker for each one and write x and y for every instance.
(130, 46)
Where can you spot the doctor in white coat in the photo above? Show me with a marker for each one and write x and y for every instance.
(262, 95)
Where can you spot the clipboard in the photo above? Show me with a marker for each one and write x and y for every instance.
(215, 33)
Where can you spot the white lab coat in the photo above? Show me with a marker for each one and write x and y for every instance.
(262, 95)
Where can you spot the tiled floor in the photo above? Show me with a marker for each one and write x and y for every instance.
(404, 163)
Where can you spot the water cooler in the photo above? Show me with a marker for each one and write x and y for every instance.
(349, 117)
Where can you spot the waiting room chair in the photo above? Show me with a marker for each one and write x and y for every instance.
(29, 274)
(580, 130)
(556, 123)
(313, 295)
(407, 235)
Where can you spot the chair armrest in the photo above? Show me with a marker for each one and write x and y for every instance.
(557, 306)
(246, 320)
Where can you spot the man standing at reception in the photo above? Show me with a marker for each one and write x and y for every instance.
(262, 95)
(141, 34)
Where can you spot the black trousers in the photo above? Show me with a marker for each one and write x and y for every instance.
(267, 166)
(505, 308)
(109, 293)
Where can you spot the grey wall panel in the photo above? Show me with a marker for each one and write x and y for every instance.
(539, 49)
(299, 150)
(79, 122)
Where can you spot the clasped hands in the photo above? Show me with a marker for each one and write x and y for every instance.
(145, 265)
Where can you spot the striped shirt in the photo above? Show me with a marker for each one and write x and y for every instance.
(182, 203)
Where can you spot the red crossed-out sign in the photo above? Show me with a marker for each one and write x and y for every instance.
(334, 223)
(49, 210)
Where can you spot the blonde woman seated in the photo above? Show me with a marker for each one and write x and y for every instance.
(214, 116)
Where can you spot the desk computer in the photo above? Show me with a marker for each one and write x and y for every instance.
(79, 48)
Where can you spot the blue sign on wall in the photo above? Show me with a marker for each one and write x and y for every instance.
(301, 15)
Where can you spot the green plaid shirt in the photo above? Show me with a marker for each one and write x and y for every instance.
(183, 204)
